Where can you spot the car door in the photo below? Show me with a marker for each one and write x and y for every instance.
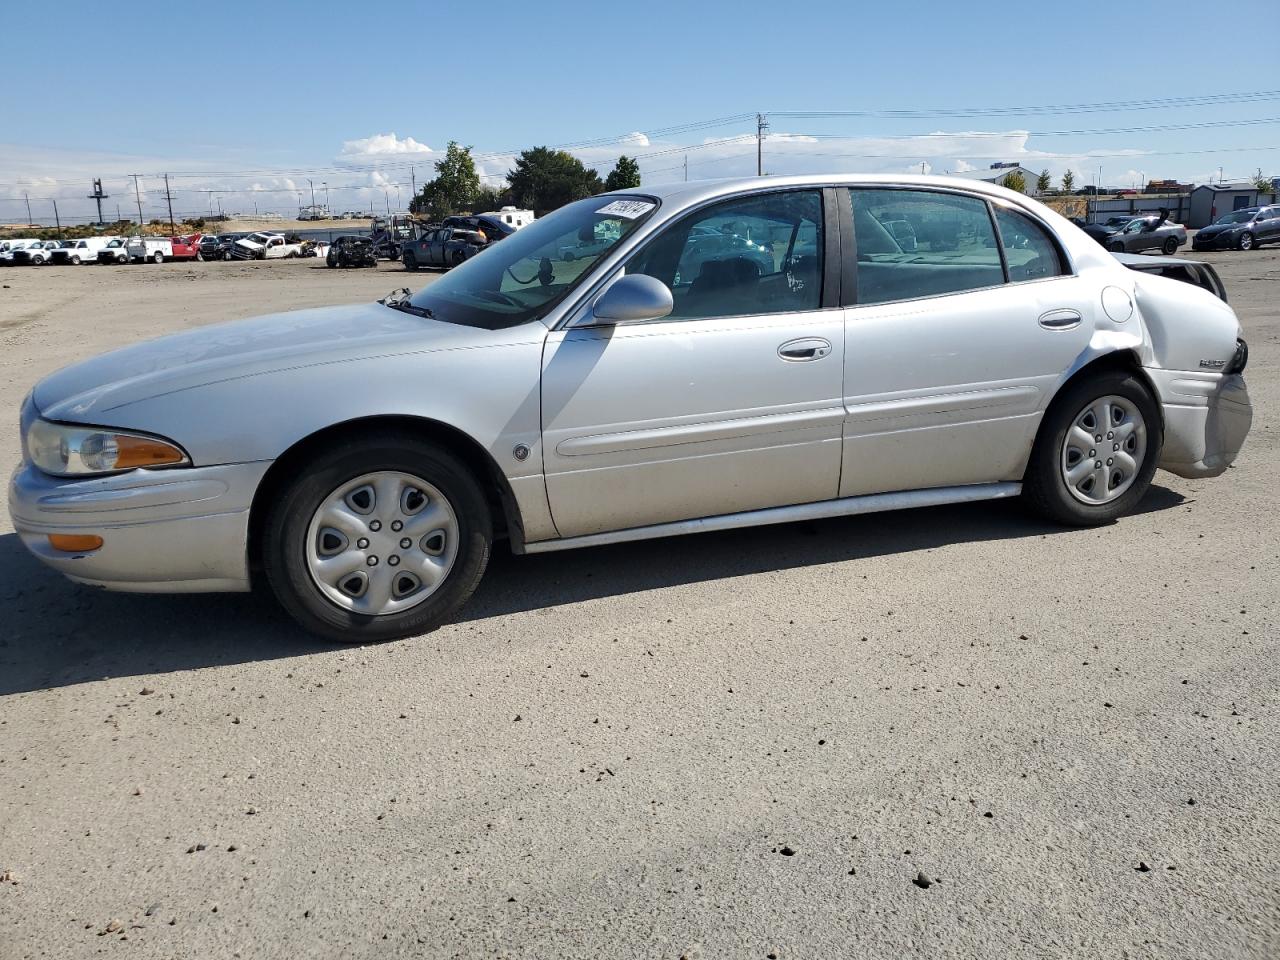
(1270, 227)
(952, 349)
(731, 403)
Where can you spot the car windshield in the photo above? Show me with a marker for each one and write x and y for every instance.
(1240, 216)
(528, 273)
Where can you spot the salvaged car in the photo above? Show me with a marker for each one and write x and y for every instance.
(442, 247)
(1245, 229)
(351, 250)
(362, 460)
(1152, 232)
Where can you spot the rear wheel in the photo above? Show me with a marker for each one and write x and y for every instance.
(377, 539)
(1116, 247)
(1246, 241)
(157, 257)
(410, 261)
(1170, 246)
(1096, 451)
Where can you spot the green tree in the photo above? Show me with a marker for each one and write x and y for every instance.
(1014, 181)
(489, 199)
(1262, 181)
(625, 175)
(1068, 182)
(455, 187)
(544, 179)
(1043, 183)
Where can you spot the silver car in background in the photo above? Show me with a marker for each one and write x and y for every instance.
(1148, 233)
(738, 353)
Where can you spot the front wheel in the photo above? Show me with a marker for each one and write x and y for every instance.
(410, 261)
(377, 539)
(1096, 451)
(157, 257)
(1116, 247)
(1170, 246)
(75, 260)
(1246, 241)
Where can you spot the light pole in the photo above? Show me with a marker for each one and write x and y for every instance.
(325, 184)
(313, 191)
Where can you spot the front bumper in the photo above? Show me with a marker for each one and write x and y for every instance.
(1206, 419)
(163, 531)
(1219, 241)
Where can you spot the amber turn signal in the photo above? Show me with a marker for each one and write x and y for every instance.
(74, 542)
(144, 452)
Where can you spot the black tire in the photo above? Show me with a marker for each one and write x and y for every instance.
(1043, 486)
(289, 517)
(75, 260)
(157, 257)
(1246, 241)
(1116, 247)
(1170, 246)
(410, 261)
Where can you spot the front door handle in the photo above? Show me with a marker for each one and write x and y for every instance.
(808, 348)
(1062, 319)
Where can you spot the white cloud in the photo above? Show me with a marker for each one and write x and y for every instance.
(381, 145)
(636, 139)
(963, 166)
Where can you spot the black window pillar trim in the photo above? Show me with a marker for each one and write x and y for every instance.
(995, 226)
(833, 238)
(848, 260)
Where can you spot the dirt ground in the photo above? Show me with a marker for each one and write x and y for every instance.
(747, 744)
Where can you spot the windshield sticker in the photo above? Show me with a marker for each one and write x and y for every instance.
(629, 209)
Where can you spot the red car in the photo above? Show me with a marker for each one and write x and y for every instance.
(186, 248)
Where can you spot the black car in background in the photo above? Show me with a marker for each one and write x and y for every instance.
(1245, 229)
(350, 250)
(209, 247)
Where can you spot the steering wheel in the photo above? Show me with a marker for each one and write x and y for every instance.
(499, 297)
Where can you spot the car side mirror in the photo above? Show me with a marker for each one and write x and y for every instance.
(633, 298)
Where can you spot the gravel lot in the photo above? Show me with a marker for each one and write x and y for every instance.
(750, 744)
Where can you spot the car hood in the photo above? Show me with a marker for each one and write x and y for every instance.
(1217, 228)
(87, 392)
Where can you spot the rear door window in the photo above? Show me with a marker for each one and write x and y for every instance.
(920, 243)
(1029, 250)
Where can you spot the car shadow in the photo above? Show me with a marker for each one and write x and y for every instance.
(57, 633)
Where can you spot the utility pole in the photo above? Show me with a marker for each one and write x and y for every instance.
(761, 126)
(138, 196)
(27, 197)
(922, 168)
(313, 191)
(686, 167)
(99, 196)
(413, 180)
(169, 198)
(325, 184)
(56, 219)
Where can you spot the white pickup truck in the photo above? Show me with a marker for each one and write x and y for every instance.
(155, 249)
(265, 246)
(9, 247)
(116, 251)
(84, 250)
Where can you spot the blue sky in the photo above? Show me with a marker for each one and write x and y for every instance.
(251, 99)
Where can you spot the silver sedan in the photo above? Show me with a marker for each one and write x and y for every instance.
(362, 460)
(1147, 233)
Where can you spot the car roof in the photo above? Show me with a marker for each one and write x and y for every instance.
(694, 191)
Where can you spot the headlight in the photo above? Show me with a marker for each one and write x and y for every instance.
(68, 451)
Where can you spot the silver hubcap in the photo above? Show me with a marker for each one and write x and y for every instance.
(382, 543)
(1104, 449)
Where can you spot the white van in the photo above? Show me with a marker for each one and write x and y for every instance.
(84, 250)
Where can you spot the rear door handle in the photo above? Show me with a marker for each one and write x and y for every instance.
(808, 348)
(1061, 319)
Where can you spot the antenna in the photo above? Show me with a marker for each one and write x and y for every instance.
(98, 195)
